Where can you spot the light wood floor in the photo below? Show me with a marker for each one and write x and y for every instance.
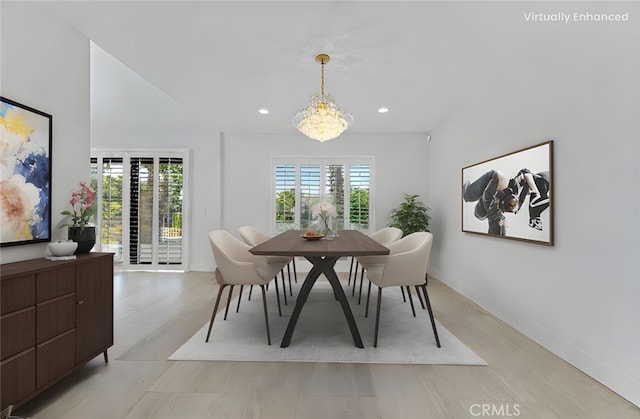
(157, 312)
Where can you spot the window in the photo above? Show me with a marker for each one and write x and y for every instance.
(301, 183)
(141, 207)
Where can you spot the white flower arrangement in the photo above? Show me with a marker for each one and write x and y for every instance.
(324, 211)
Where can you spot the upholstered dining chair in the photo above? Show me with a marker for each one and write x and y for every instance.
(385, 236)
(236, 266)
(406, 265)
(253, 237)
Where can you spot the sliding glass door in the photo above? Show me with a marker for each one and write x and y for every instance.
(142, 206)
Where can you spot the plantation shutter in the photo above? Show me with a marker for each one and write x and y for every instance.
(300, 183)
(359, 184)
(140, 215)
(285, 205)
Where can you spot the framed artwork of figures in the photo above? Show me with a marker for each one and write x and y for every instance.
(510, 196)
(25, 174)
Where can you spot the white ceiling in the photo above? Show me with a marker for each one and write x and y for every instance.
(211, 65)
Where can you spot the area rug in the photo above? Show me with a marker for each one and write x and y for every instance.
(322, 334)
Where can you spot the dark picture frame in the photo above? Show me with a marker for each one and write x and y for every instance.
(25, 174)
(510, 196)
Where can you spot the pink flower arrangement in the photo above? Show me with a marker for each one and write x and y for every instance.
(84, 198)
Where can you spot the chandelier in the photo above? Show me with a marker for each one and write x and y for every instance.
(322, 119)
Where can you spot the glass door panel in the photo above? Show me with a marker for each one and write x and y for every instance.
(111, 217)
(170, 211)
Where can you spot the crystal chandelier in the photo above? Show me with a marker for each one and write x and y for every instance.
(322, 119)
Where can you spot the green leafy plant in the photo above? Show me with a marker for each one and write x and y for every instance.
(412, 215)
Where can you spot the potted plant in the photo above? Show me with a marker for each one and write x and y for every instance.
(83, 200)
(412, 215)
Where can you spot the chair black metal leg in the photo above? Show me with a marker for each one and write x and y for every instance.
(295, 273)
(433, 323)
(289, 277)
(420, 297)
(226, 311)
(413, 309)
(351, 269)
(404, 299)
(266, 316)
(239, 298)
(284, 287)
(215, 309)
(375, 336)
(278, 296)
(250, 290)
(366, 312)
(361, 281)
(355, 278)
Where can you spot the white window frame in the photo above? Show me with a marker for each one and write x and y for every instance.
(323, 162)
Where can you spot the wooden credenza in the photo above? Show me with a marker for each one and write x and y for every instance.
(54, 317)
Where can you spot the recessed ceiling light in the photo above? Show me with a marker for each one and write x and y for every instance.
(263, 111)
(383, 110)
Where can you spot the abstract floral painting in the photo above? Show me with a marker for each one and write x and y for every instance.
(25, 174)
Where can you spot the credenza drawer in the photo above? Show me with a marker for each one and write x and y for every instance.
(17, 293)
(55, 316)
(18, 377)
(55, 282)
(55, 357)
(18, 332)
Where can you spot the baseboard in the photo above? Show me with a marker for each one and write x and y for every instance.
(619, 382)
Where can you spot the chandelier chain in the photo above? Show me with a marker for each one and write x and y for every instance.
(322, 79)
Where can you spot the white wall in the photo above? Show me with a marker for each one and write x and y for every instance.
(580, 87)
(399, 159)
(45, 65)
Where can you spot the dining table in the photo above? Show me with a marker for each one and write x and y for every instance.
(323, 253)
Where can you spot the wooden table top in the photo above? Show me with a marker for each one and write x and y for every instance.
(348, 243)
